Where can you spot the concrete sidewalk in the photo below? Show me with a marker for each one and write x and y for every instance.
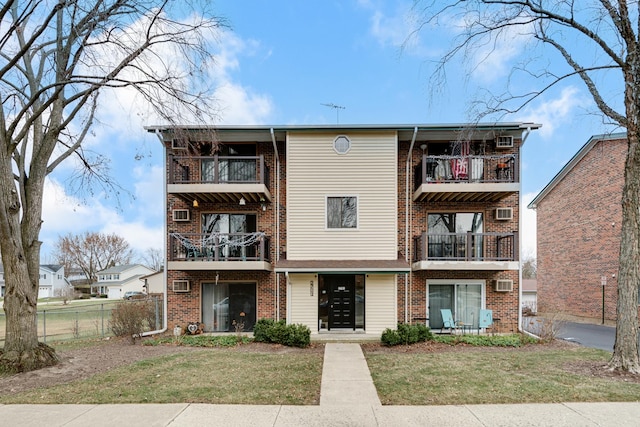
(174, 415)
(347, 398)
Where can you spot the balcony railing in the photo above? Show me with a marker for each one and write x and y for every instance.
(218, 170)
(498, 168)
(465, 247)
(218, 247)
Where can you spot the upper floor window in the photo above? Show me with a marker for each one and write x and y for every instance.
(342, 212)
(342, 144)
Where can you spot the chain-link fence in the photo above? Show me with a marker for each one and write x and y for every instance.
(79, 321)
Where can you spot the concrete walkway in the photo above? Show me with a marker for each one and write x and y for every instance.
(347, 398)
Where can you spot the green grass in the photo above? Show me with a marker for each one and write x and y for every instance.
(479, 376)
(221, 376)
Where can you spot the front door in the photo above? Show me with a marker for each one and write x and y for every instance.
(341, 300)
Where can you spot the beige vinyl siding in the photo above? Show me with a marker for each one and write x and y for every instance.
(380, 303)
(303, 307)
(368, 171)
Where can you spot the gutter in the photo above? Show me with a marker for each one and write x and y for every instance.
(165, 309)
(277, 219)
(407, 215)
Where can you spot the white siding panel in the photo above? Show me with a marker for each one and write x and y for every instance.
(304, 306)
(380, 303)
(368, 171)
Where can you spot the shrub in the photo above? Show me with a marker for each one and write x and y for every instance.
(406, 334)
(270, 331)
(390, 337)
(128, 319)
(261, 330)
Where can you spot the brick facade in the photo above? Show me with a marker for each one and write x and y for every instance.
(184, 307)
(578, 232)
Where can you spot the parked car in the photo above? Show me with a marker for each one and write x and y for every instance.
(134, 295)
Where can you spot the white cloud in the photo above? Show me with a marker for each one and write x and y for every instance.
(529, 227)
(556, 112)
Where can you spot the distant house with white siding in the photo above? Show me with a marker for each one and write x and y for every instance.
(115, 281)
(343, 227)
(51, 281)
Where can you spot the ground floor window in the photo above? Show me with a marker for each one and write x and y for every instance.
(463, 299)
(224, 303)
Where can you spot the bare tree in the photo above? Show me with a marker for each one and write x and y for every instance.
(153, 258)
(56, 59)
(604, 34)
(529, 267)
(91, 252)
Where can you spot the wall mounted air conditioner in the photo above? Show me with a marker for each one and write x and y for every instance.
(181, 286)
(180, 214)
(503, 285)
(504, 142)
(504, 214)
(179, 144)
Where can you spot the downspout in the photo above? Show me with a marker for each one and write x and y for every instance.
(524, 138)
(165, 309)
(277, 220)
(407, 216)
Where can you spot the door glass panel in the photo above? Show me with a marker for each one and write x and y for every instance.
(440, 296)
(468, 304)
(359, 302)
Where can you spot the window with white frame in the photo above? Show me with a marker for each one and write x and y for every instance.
(342, 212)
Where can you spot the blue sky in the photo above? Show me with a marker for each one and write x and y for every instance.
(278, 64)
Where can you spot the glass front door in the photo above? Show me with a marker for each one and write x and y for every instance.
(224, 303)
(464, 300)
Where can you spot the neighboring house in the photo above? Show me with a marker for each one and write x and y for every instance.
(115, 281)
(579, 215)
(343, 228)
(530, 295)
(51, 281)
(153, 283)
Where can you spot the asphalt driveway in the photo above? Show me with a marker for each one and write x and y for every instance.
(586, 334)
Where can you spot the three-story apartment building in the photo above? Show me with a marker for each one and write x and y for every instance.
(345, 227)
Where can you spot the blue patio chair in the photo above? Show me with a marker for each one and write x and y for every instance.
(447, 320)
(486, 319)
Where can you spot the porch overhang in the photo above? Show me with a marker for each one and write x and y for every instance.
(397, 266)
(466, 265)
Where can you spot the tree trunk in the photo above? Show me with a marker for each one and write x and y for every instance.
(22, 352)
(625, 351)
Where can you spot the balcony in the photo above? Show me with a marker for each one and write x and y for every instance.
(219, 178)
(465, 251)
(219, 251)
(486, 178)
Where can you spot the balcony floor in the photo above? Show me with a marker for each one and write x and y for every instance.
(464, 192)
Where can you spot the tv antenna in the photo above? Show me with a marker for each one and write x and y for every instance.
(337, 108)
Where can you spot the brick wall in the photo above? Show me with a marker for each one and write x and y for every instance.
(578, 235)
(505, 305)
(187, 307)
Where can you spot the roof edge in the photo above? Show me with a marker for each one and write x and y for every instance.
(571, 164)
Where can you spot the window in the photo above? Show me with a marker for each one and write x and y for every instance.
(342, 144)
(342, 212)
(233, 233)
(448, 234)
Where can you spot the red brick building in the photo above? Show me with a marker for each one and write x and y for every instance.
(345, 227)
(579, 216)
